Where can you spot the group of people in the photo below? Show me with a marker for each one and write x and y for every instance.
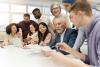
(42, 31)
(59, 35)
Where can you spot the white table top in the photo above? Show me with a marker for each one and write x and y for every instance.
(11, 56)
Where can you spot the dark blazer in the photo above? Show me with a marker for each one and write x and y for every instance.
(70, 36)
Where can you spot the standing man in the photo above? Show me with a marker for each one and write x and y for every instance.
(24, 25)
(40, 17)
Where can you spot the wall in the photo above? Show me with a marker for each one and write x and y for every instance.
(35, 2)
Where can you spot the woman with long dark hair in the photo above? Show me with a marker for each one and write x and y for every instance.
(43, 34)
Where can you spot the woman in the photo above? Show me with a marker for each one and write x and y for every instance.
(44, 35)
(13, 36)
(32, 36)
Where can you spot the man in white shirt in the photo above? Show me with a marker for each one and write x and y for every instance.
(40, 17)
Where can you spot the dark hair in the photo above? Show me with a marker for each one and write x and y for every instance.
(68, 1)
(43, 36)
(82, 6)
(36, 9)
(8, 28)
(36, 28)
(27, 15)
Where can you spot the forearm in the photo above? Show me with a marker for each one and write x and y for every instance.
(68, 62)
(77, 54)
(79, 40)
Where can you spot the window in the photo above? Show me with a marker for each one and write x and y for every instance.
(17, 18)
(18, 8)
(13, 13)
(4, 7)
(46, 11)
(4, 21)
(4, 18)
(31, 8)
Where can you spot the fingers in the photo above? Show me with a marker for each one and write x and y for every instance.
(59, 45)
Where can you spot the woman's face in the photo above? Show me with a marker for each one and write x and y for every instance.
(32, 28)
(42, 28)
(13, 29)
(56, 10)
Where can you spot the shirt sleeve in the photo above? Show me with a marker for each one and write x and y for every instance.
(98, 53)
(98, 49)
(80, 39)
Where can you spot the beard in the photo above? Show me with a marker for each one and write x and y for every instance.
(59, 31)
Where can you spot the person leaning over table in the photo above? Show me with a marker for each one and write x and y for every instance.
(63, 33)
(81, 15)
(13, 35)
(81, 31)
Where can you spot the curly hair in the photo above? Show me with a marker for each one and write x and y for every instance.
(8, 28)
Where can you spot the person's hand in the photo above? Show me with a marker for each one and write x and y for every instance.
(57, 57)
(46, 53)
(25, 47)
(1, 46)
(63, 47)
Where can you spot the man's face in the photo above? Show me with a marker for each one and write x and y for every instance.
(56, 10)
(37, 14)
(26, 18)
(67, 6)
(60, 25)
(77, 19)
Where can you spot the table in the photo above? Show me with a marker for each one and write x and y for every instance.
(12, 56)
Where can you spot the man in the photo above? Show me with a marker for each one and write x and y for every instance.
(81, 38)
(39, 17)
(63, 33)
(67, 4)
(81, 15)
(24, 25)
(81, 31)
(56, 12)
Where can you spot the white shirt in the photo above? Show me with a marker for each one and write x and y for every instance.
(62, 36)
(44, 19)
